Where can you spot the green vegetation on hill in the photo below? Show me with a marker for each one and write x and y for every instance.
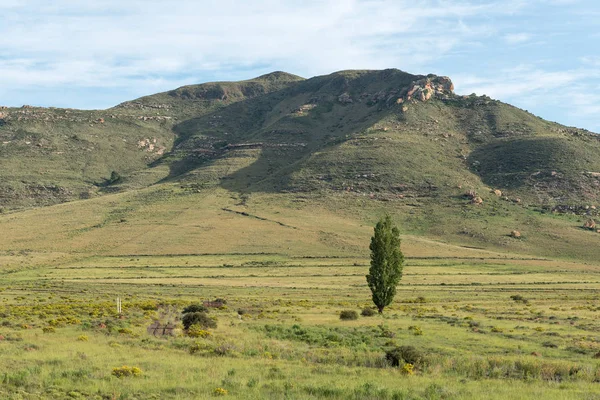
(386, 132)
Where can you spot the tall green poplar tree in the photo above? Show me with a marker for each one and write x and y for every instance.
(386, 263)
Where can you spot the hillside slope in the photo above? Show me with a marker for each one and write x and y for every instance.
(385, 134)
(52, 155)
(388, 133)
(310, 164)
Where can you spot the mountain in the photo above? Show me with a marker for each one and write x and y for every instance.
(308, 163)
(386, 133)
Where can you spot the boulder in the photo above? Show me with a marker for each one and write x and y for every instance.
(515, 234)
(471, 194)
(590, 224)
(344, 98)
(477, 200)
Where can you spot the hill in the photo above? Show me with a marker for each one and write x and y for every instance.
(52, 155)
(461, 169)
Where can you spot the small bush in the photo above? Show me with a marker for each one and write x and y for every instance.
(404, 355)
(416, 330)
(224, 349)
(408, 369)
(192, 308)
(82, 338)
(348, 315)
(198, 318)
(368, 312)
(196, 331)
(385, 332)
(48, 329)
(517, 298)
(199, 347)
(220, 392)
(124, 371)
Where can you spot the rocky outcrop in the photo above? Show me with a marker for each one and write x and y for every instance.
(422, 89)
(432, 86)
(344, 98)
(151, 146)
(140, 106)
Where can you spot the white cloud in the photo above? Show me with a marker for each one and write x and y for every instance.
(566, 92)
(591, 60)
(115, 43)
(516, 38)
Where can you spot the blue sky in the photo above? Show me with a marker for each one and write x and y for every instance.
(543, 56)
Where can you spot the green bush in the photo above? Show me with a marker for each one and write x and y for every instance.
(517, 298)
(404, 354)
(348, 315)
(368, 312)
(198, 318)
(195, 308)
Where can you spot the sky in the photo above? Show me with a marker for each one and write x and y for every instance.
(539, 55)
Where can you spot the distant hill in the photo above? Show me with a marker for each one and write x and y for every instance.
(388, 135)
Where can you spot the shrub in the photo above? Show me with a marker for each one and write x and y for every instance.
(82, 338)
(348, 315)
(517, 298)
(220, 392)
(195, 308)
(385, 332)
(404, 355)
(408, 369)
(114, 178)
(48, 329)
(199, 347)
(416, 330)
(196, 331)
(368, 312)
(198, 318)
(124, 371)
(224, 349)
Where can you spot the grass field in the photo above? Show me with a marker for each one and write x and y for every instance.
(493, 317)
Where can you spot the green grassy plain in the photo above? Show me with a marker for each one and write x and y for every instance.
(292, 263)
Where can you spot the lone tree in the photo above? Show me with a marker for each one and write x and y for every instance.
(386, 263)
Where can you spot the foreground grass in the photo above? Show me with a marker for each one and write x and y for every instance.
(290, 342)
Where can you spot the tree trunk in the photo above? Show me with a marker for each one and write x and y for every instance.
(380, 309)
